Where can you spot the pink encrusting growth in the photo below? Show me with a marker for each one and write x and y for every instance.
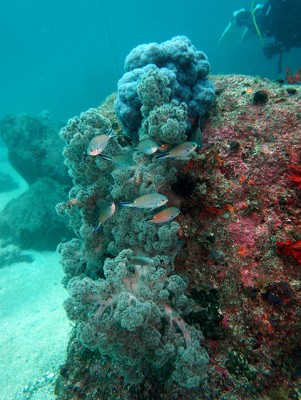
(243, 232)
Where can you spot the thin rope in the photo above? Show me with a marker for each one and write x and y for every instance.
(107, 27)
(255, 22)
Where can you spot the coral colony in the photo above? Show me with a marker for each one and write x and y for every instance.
(127, 301)
(183, 277)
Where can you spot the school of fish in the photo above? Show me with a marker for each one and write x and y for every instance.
(182, 151)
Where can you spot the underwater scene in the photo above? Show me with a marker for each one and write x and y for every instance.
(150, 187)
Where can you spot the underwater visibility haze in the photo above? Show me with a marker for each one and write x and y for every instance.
(65, 57)
(150, 238)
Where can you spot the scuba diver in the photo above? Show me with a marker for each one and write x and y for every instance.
(277, 23)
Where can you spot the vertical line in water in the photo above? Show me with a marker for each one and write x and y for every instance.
(107, 28)
(255, 22)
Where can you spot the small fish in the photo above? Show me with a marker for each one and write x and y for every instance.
(120, 160)
(106, 210)
(142, 260)
(147, 146)
(152, 200)
(180, 152)
(165, 215)
(197, 137)
(99, 143)
(164, 147)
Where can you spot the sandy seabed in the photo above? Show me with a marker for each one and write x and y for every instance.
(33, 326)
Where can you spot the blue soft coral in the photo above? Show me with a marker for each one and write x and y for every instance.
(186, 70)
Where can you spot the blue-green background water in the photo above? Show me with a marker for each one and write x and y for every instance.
(57, 54)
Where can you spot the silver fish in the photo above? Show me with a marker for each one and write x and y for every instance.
(152, 200)
(181, 152)
(99, 143)
(120, 160)
(147, 146)
(106, 210)
(142, 260)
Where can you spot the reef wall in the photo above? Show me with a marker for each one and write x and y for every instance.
(206, 307)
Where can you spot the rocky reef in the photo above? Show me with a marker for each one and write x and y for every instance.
(34, 147)
(35, 151)
(243, 228)
(206, 307)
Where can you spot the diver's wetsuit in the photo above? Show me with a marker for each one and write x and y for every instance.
(280, 19)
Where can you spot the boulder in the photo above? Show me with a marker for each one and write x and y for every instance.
(30, 221)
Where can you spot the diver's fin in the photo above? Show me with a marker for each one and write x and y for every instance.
(236, 30)
(231, 35)
(247, 34)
